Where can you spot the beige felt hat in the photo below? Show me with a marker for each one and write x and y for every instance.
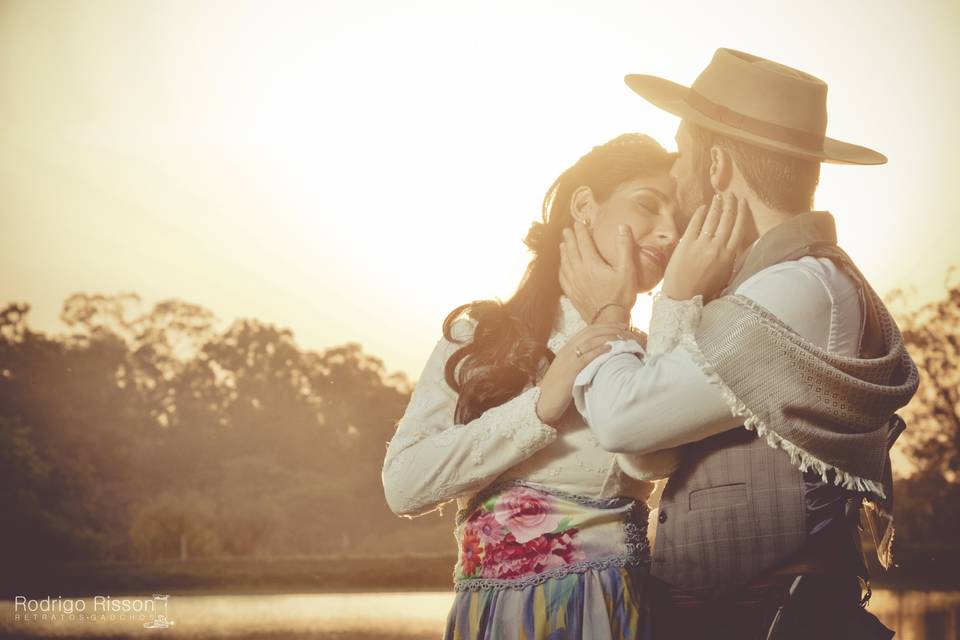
(758, 101)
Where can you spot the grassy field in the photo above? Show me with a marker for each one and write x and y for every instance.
(917, 568)
(244, 575)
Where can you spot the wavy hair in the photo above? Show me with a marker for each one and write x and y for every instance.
(509, 342)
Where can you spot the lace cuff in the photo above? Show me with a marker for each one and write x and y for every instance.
(523, 426)
(671, 319)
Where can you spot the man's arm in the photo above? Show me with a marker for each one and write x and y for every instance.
(640, 406)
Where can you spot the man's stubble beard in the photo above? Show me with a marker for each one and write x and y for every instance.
(699, 193)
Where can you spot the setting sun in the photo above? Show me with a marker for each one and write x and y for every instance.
(326, 171)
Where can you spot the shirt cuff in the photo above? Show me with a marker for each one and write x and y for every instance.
(586, 375)
(650, 466)
(671, 319)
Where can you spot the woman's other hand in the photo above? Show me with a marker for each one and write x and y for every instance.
(703, 260)
(556, 386)
(589, 281)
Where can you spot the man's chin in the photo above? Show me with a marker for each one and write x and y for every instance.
(689, 200)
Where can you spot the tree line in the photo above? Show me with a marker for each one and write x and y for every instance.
(157, 436)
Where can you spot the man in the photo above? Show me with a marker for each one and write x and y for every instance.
(757, 536)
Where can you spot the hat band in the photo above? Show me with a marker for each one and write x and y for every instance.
(714, 111)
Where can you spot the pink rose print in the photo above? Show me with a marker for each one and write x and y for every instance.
(485, 526)
(526, 513)
(510, 559)
(505, 560)
(552, 550)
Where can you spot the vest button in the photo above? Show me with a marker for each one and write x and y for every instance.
(662, 517)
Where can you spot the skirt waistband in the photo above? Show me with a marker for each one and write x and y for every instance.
(516, 533)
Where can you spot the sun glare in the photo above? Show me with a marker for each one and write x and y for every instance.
(325, 169)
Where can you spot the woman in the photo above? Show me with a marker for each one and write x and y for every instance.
(551, 529)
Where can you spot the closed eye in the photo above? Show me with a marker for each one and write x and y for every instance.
(649, 207)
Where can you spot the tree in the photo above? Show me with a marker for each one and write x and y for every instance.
(174, 525)
(154, 435)
(926, 499)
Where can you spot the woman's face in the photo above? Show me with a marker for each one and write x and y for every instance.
(648, 207)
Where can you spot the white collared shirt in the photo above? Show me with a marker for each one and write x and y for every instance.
(666, 400)
(432, 459)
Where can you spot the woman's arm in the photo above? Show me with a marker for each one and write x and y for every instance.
(432, 460)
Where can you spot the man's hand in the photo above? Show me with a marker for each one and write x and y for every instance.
(703, 260)
(590, 282)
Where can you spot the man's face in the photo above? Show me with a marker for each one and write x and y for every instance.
(689, 174)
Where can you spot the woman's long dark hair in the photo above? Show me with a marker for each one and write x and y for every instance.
(509, 342)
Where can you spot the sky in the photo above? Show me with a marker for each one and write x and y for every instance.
(353, 171)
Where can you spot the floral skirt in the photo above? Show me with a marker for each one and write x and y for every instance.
(539, 563)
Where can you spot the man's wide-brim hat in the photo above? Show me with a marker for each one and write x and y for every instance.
(758, 101)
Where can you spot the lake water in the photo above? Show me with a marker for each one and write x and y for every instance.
(916, 615)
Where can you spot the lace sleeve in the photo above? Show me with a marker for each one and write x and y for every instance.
(671, 319)
(432, 460)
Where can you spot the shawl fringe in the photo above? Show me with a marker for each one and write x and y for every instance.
(802, 459)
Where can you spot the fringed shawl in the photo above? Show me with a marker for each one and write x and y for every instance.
(830, 413)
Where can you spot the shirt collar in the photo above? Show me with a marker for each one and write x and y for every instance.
(801, 231)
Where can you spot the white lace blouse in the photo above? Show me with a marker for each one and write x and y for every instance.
(431, 460)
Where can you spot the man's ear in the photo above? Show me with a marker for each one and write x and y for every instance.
(721, 169)
(583, 206)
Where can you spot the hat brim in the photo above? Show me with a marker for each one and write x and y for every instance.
(672, 97)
